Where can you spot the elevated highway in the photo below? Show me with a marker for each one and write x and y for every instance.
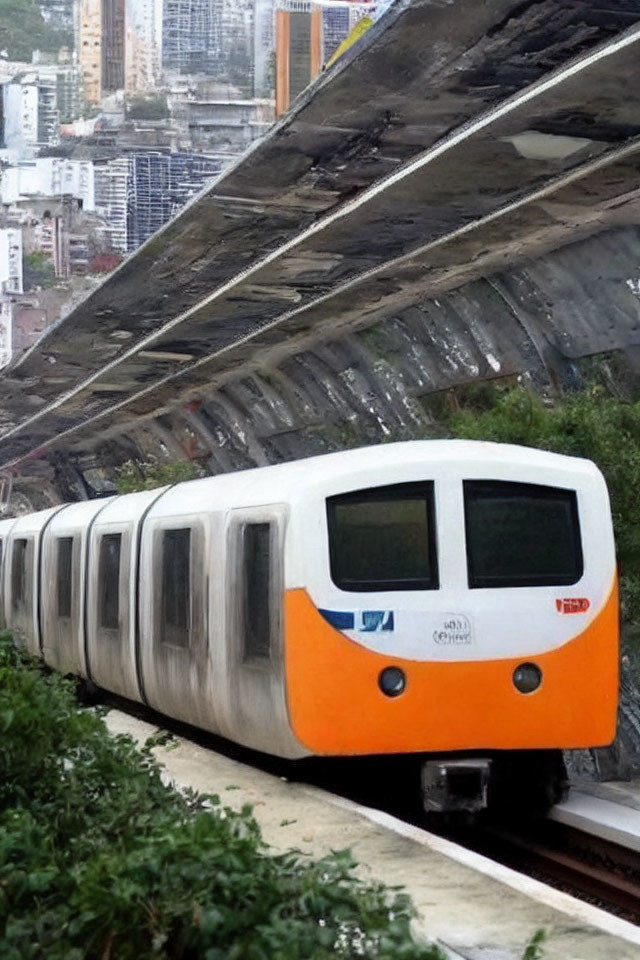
(457, 198)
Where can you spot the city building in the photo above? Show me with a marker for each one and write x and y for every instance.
(111, 178)
(102, 32)
(6, 330)
(69, 92)
(187, 35)
(10, 286)
(226, 127)
(10, 260)
(336, 26)
(159, 185)
(46, 177)
(299, 54)
(143, 45)
(30, 116)
(264, 49)
(307, 36)
(113, 37)
(89, 44)
(212, 37)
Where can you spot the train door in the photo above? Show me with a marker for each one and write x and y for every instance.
(112, 593)
(22, 608)
(5, 528)
(174, 641)
(63, 592)
(256, 710)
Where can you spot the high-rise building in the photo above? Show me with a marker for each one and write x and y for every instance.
(299, 55)
(89, 43)
(119, 44)
(159, 185)
(143, 45)
(264, 48)
(187, 35)
(113, 33)
(307, 36)
(30, 116)
(337, 24)
(10, 285)
(111, 187)
(48, 177)
(214, 37)
(69, 92)
(11, 260)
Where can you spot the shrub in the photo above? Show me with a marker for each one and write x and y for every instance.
(38, 271)
(132, 477)
(100, 859)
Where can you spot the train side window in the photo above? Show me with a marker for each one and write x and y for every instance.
(109, 581)
(64, 574)
(383, 538)
(19, 573)
(175, 600)
(257, 608)
(521, 535)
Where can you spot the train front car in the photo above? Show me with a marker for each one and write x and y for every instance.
(459, 600)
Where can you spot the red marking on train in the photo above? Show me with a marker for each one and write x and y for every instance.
(573, 605)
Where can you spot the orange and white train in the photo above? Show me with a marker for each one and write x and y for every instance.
(449, 599)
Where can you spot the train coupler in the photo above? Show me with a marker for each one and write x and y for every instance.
(450, 786)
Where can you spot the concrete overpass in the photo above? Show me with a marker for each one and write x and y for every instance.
(458, 198)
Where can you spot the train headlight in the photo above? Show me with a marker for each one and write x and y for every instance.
(392, 681)
(527, 677)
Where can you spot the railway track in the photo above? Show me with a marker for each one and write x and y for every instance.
(587, 867)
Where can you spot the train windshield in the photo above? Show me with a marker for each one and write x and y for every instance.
(521, 535)
(383, 538)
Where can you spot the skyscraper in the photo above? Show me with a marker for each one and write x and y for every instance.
(263, 48)
(119, 46)
(90, 48)
(113, 34)
(215, 37)
(143, 45)
(307, 36)
(299, 29)
(188, 34)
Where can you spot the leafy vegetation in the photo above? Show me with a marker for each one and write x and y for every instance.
(591, 424)
(38, 271)
(133, 476)
(23, 30)
(147, 108)
(100, 859)
(535, 949)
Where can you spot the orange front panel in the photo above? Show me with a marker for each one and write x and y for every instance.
(336, 707)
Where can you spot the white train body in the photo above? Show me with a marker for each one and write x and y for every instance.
(266, 606)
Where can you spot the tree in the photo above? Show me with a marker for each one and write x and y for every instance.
(23, 30)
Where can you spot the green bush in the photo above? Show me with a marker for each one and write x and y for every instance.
(100, 859)
(132, 476)
(147, 108)
(23, 30)
(589, 424)
(38, 271)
